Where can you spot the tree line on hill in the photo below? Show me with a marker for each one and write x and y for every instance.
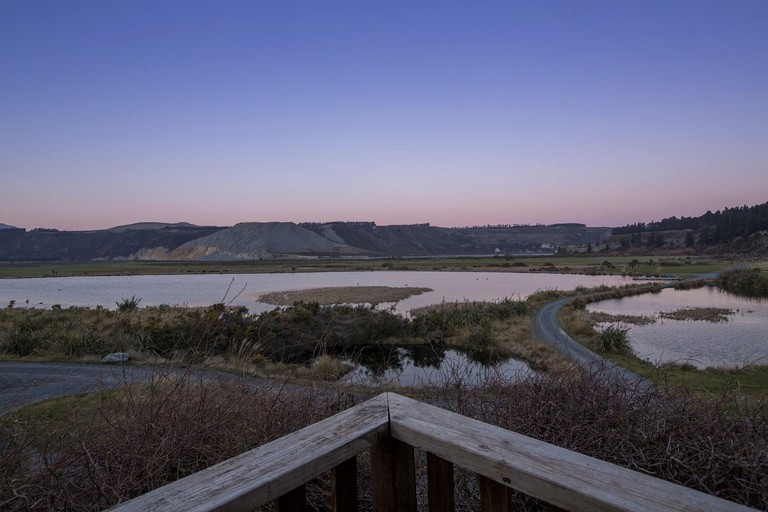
(717, 227)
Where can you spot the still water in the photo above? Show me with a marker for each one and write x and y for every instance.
(204, 290)
(740, 341)
(403, 366)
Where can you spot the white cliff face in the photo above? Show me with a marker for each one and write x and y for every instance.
(260, 240)
(328, 232)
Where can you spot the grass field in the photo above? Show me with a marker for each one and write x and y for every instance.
(575, 264)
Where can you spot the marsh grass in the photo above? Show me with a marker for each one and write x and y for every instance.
(601, 317)
(285, 339)
(573, 264)
(751, 380)
(713, 315)
(750, 282)
(343, 295)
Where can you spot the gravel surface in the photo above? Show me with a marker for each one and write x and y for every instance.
(549, 326)
(24, 383)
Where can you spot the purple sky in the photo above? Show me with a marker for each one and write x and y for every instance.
(454, 113)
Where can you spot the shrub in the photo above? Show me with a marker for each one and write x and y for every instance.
(481, 336)
(126, 305)
(751, 282)
(614, 339)
(717, 446)
(22, 341)
(101, 450)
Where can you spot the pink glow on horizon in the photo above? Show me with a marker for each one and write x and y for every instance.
(501, 113)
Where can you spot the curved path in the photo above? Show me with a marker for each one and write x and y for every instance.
(23, 383)
(548, 325)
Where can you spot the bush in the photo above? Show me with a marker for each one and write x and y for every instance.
(126, 305)
(101, 450)
(22, 341)
(751, 282)
(614, 339)
(716, 446)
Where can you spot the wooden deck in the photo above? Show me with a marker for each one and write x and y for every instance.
(390, 426)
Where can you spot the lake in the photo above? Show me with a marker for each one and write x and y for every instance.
(404, 366)
(204, 290)
(740, 341)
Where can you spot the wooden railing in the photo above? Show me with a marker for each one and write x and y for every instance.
(390, 426)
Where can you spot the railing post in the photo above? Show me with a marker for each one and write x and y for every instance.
(344, 486)
(394, 476)
(440, 484)
(494, 497)
(293, 501)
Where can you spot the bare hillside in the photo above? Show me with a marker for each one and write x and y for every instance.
(261, 240)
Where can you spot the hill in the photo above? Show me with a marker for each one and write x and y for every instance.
(427, 240)
(742, 229)
(54, 245)
(140, 226)
(732, 230)
(274, 240)
(255, 240)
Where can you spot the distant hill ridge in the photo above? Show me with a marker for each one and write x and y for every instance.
(274, 240)
(150, 225)
(741, 229)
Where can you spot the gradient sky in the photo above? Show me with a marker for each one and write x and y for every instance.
(454, 113)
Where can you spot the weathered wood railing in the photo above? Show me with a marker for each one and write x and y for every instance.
(391, 426)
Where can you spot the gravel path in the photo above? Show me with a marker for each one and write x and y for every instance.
(24, 383)
(549, 326)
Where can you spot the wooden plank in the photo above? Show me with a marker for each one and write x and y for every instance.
(494, 497)
(405, 476)
(566, 479)
(344, 487)
(440, 484)
(262, 475)
(394, 476)
(293, 501)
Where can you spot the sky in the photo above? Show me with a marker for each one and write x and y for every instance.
(602, 112)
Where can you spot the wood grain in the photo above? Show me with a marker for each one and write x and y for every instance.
(566, 479)
(264, 474)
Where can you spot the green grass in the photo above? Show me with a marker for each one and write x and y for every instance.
(750, 382)
(82, 405)
(577, 264)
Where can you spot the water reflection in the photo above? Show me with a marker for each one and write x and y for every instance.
(204, 290)
(421, 365)
(740, 341)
